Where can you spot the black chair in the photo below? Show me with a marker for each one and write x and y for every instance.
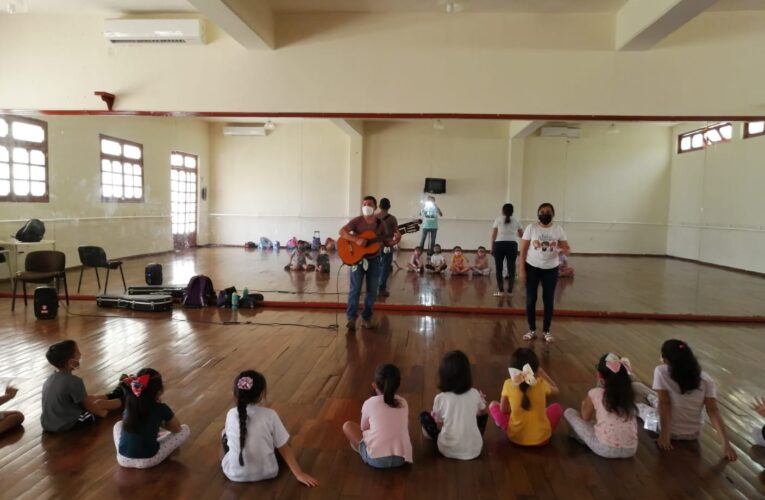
(95, 257)
(41, 267)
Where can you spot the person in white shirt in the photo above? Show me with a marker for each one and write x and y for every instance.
(541, 245)
(681, 392)
(437, 262)
(252, 433)
(504, 246)
(459, 417)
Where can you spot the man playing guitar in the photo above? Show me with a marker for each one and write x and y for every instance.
(368, 267)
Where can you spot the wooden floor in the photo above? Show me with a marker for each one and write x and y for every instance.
(319, 377)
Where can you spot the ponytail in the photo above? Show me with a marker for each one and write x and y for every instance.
(521, 357)
(388, 380)
(249, 387)
(525, 402)
(618, 395)
(507, 211)
(145, 388)
(684, 368)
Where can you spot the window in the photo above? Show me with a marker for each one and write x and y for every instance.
(183, 195)
(121, 170)
(703, 137)
(23, 159)
(754, 129)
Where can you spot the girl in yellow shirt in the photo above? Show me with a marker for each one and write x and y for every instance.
(522, 411)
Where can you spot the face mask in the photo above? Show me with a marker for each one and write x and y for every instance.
(366, 210)
(545, 218)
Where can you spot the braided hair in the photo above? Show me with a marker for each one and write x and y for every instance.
(249, 387)
(523, 356)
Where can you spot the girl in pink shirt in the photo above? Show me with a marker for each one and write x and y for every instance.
(612, 405)
(382, 439)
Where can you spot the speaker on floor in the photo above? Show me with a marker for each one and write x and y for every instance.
(46, 302)
(154, 274)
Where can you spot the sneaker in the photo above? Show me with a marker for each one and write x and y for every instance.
(499, 294)
(548, 337)
(351, 325)
(368, 324)
(425, 434)
(382, 292)
(530, 335)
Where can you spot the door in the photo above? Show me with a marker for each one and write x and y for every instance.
(183, 199)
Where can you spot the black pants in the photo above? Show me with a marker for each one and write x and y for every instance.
(548, 278)
(429, 424)
(505, 250)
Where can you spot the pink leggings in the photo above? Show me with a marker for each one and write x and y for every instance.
(554, 413)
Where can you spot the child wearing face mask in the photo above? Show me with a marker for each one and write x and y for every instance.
(437, 262)
(65, 403)
(481, 264)
(459, 265)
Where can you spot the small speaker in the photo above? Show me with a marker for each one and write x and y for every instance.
(46, 302)
(153, 274)
(435, 186)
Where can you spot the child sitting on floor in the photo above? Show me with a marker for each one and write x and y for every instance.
(322, 260)
(300, 259)
(252, 433)
(564, 270)
(416, 263)
(137, 438)
(65, 403)
(481, 265)
(9, 419)
(458, 419)
(437, 262)
(521, 412)
(759, 433)
(459, 265)
(612, 405)
(382, 439)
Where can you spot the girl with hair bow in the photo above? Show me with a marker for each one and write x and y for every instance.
(137, 437)
(612, 405)
(522, 411)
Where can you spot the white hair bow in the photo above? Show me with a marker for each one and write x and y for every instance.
(615, 363)
(520, 376)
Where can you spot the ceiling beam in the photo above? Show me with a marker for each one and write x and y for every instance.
(353, 128)
(641, 24)
(249, 22)
(520, 129)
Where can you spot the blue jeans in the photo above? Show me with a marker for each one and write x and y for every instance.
(386, 261)
(372, 274)
(381, 462)
(425, 233)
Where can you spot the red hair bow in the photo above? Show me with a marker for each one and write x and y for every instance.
(138, 384)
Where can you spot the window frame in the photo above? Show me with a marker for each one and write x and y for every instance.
(748, 135)
(106, 156)
(703, 131)
(10, 143)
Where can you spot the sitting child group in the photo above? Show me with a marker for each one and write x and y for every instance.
(606, 423)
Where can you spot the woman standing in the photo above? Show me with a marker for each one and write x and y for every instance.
(429, 215)
(504, 246)
(542, 242)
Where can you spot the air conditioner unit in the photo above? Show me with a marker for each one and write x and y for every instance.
(245, 130)
(560, 131)
(155, 31)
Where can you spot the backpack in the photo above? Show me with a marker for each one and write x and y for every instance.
(250, 244)
(265, 243)
(292, 243)
(32, 232)
(316, 241)
(224, 297)
(199, 292)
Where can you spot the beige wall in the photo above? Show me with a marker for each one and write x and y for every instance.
(610, 191)
(717, 203)
(470, 63)
(290, 183)
(76, 215)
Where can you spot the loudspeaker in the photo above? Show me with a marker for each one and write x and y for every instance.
(46, 302)
(435, 186)
(153, 274)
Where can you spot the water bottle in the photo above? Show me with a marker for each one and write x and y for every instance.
(277, 245)
(245, 293)
(234, 301)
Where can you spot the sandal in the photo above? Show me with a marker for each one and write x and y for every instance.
(530, 335)
(548, 337)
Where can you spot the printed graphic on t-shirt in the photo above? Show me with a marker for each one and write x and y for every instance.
(546, 243)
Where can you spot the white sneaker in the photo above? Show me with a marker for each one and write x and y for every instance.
(530, 335)
(499, 294)
(548, 337)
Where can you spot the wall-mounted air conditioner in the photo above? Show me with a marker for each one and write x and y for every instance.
(245, 130)
(155, 31)
(560, 131)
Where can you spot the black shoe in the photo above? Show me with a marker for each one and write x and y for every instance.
(382, 292)
(351, 325)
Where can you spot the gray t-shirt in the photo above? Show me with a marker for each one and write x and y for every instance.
(62, 398)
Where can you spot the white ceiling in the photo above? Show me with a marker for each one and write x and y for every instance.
(115, 7)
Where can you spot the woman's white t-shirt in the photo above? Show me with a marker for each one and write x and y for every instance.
(506, 232)
(265, 433)
(459, 437)
(543, 245)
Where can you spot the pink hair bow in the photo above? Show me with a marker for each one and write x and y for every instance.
(615, 363)
(138, 384)
(526, 375)
(244, 383)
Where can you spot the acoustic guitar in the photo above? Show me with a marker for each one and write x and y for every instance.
(351, 253)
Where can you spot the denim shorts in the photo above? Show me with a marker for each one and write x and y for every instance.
(382, 462)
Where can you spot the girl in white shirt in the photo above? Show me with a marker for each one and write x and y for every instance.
(541, 245)
(459, 417)
(504, 246)
(252, 433)
(682, 392)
